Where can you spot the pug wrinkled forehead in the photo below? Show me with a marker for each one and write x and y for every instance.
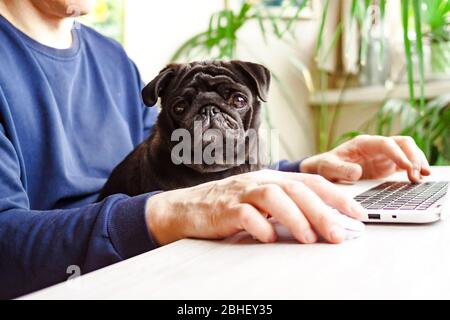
(220, 94)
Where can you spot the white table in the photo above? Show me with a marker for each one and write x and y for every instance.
(387, 262)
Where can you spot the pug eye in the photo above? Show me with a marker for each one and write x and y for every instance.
(239, 101)
(179, 108)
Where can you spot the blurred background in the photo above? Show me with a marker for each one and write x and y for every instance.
(340, 68)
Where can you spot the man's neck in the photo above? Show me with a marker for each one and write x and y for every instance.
(48, 30)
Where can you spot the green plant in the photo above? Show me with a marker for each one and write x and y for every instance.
(416, 16)
(434, 124)
(358, 17)
(219, 41)
(436, 17)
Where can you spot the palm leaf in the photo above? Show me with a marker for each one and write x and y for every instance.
(322, 27)
(294, 18)
(381, 56)
(408, 54)
(418, 28)
(195, 41)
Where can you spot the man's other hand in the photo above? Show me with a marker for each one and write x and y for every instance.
(370, 157)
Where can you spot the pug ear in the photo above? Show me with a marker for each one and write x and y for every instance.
(258, 74)
(155, 88)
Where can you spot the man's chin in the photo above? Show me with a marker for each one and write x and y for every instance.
(210, 168)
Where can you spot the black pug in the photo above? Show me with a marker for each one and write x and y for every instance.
(219, 95)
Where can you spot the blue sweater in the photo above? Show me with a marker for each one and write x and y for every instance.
(67, 118)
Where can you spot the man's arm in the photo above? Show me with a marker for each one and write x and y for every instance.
(37, 247)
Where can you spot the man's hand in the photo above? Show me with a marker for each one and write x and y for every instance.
(219, 209)
(370, 157)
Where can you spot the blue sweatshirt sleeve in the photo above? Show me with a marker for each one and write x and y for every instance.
(37, 247)
(287, 166)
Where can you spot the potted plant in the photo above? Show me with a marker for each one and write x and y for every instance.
(436, 18)
(220, 39)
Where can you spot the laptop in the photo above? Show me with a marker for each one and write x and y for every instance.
(404, 202)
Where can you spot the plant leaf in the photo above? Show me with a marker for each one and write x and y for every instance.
(408, 54)
(418, 28)
(322, 28)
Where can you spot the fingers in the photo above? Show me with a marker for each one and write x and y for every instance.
(316, 211)
(251, 220)
(338, 170)
(426, 168)
(402, 150)
(298, 207)
(378, 145)
(416, 156)
(332, 195)
(272, 199)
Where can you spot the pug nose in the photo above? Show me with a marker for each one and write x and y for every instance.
(210, 111)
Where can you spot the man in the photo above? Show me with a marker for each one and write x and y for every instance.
(70, 110)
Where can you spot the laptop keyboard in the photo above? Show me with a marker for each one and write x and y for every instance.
(403, 195)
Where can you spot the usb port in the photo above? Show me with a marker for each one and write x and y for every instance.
(373, 216)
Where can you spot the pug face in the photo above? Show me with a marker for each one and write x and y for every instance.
(212, 101)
